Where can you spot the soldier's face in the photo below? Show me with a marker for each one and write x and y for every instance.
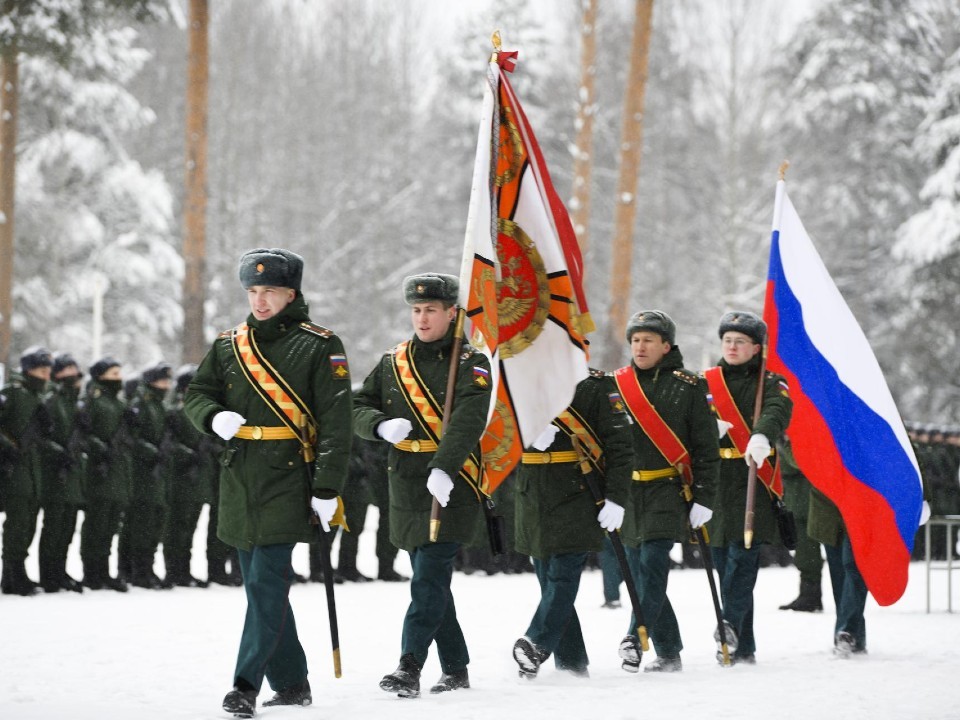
(112, 373)
(738, 348)
(647, 349)
(431, 320)
(266, 300)
(42, 372)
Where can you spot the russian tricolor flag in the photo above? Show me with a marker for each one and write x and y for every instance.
(846, 432)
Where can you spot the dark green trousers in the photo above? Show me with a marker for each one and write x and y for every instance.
(555, 627)
(432, 616)
(101, 521)
(807, 557)
(19, 527)
(181, 524)
(650, 565)
(59, 523)
(849, 592)
(737, 568)
(269, 646)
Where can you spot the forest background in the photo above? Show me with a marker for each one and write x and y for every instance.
(346, 132)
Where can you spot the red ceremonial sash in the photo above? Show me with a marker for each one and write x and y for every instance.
(656, 428)
(740, 432)
(427, 410)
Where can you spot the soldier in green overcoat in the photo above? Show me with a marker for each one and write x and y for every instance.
(263, 387)
(63, 468)
(557, 520)
(146, 514)
(423, 467)
(674, 446)
(182, 467)
(24, 422)
(742, 336)
(101, 417)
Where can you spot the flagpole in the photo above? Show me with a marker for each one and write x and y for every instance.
(748, 513)
(448, 409)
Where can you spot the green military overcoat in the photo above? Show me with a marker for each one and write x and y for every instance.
(25, 423)
(264, 489)
(63, 461)
(555, 510)
(380, 399)
(102, 418)
(726, 527)
(656, 509)
(148, 424)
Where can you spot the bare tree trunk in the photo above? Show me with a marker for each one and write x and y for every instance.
(195, 198)
(8, 159)
(586, 107)
(631, 145)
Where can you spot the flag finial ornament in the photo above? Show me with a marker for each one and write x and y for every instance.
(782, 172)
(495, 39)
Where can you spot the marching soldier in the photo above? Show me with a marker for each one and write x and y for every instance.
(24, 422)
(733, 389)
(674, 444)
(557, 520)
(148, 488)
(63, 465)
(402, 402)
(182, 464)
(276, 388)
(102, 418)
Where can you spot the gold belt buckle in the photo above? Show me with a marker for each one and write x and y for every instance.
(257, 433)
(546, 458)
(415, 446)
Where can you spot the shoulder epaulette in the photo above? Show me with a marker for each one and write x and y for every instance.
(597, 373)
(225, 334)
(468, 351)
(318, 330)
(687, 376)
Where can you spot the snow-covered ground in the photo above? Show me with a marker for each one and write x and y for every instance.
(170, 655)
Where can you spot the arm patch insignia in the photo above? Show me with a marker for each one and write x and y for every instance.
(338, 363)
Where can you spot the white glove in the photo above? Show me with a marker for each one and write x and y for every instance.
(394, 430)
(440, 485)
(723, 426)
(226, 423)
(925, 513)
(758, 448)
(325, 510)
(610, 516)
(699, 515)
(545, 439)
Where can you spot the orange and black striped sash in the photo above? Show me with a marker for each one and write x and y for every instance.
(582, 436)
(426, 409)
(269, 384)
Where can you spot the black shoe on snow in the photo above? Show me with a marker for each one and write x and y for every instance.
(577, 672)
(405, 680)
(729, 635)
(804, 604)
(298, 694)
(454, 681)
(391, 575)
(350, 575)
(68, 583)
(115, 584)
(241, 703)
(611, 604)
(664, 665)
(630, 653)
(529, 657)
(844, 645)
